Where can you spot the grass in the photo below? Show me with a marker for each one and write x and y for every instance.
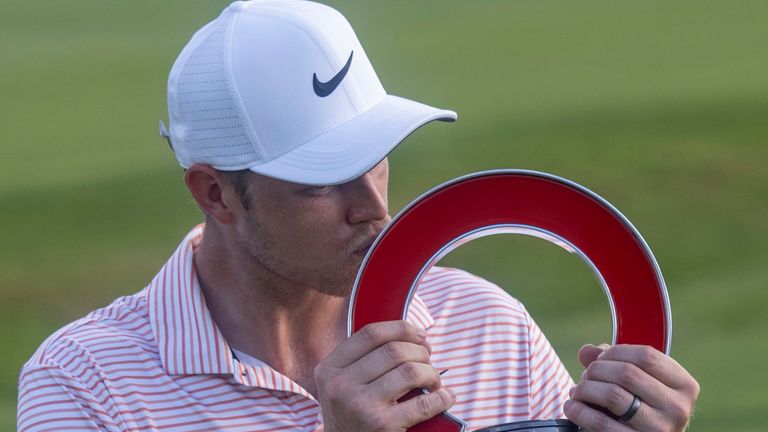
(658, 107)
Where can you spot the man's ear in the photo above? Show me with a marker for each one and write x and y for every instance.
(215, 195)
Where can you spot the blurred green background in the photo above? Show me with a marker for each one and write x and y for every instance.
(660, 107)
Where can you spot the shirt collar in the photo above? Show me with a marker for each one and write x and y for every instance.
(188, 339)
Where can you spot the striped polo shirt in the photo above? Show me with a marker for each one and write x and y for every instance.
(155, 360)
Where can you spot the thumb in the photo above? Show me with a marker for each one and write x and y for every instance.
(588, 353)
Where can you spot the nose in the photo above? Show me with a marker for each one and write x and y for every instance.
(367, 199)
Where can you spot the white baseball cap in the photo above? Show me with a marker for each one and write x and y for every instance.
(284, 88)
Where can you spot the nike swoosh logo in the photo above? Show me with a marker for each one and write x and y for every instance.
(323, 89)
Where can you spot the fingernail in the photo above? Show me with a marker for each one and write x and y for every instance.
(421, 333)
(584, 375)
(566, 405)
(572, 391)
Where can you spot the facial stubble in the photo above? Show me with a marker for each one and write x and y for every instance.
(273, 266)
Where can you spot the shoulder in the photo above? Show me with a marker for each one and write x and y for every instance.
(64, 384)
(450, 292)
(106, 333)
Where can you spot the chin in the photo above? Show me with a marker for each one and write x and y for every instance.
(337, 283)
(336, 287)
(341, 291)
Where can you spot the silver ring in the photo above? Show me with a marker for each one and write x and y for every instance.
(631, 411)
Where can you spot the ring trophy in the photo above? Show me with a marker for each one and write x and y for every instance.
(518, 202)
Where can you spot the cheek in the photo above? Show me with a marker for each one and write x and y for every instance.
(321, 228)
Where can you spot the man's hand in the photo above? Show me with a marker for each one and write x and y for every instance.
(615, 375)
(359, 384)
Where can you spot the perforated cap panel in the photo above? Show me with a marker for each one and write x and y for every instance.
(207, 125)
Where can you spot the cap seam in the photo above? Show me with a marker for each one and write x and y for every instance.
(255, 142)
(326, 40)
(276, 13)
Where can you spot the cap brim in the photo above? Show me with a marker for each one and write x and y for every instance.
(353, 148)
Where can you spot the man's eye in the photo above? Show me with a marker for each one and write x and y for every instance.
(317, 190)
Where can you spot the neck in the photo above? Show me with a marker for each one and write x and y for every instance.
(288, 326)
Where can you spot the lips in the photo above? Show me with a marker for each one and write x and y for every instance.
(362, 250)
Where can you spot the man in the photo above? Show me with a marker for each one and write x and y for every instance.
(283, 130)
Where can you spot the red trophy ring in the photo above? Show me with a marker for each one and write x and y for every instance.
(521, 202)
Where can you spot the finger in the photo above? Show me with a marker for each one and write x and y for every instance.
(372, 336)
(400, 380)
(588, 353)
(423, 407)
(631, 378)
(591, 419)
(385, 358)
(618, 401)
(653, 362)
(610, 396)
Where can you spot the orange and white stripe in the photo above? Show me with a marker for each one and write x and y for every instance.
(155, 360)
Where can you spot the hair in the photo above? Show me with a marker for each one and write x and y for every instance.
(240, 181)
